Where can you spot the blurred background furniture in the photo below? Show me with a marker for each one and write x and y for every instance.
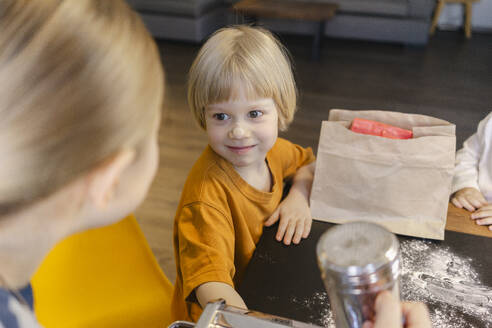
(468, 14)
(317, 12)
(105, 277)
(400, 21)
(187, 20)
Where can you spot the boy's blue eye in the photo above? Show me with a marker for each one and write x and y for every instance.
(221, 116)
(255, 114)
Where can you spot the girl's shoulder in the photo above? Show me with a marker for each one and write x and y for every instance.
(13, 314)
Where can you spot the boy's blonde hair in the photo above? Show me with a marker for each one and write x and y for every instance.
(79, 81)
(242, 56)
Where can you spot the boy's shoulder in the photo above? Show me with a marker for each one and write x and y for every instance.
(287, 151)
(207, 179)
(281, 146)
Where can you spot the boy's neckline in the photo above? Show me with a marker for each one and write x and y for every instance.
(263, 181)
(247, 189)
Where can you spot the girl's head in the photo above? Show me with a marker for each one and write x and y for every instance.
(247, 58)
(81, 88)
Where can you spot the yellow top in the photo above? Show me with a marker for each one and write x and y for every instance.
(105, 277)
(220, 219)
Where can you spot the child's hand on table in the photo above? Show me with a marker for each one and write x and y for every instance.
(469, 198)
(295, 218)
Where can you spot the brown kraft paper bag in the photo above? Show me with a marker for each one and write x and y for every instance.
(402, 184)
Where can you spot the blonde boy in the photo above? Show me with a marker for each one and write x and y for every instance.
(241, 92)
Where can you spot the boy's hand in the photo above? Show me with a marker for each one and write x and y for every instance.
(295, 218)
(469, 198)
(485, 216)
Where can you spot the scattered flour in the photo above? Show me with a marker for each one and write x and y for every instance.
(438, 277)
(267, 258)
(433, 275)
(321, 300)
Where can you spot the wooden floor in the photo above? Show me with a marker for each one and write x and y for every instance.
(451, 79)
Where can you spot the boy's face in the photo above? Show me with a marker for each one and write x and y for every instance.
(242, 131)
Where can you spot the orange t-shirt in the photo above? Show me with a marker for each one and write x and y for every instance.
(220, 219)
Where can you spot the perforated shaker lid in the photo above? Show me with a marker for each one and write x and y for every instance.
(357, 248)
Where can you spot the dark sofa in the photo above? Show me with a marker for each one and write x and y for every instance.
(402, 21)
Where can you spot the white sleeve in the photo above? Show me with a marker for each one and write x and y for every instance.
(468, 157)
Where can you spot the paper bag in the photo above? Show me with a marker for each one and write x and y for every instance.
(403, 185)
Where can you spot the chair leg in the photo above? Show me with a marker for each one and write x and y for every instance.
(440, 5)
(468, 14)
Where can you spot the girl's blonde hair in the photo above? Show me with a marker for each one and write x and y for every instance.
(79, 81)
(247, 57)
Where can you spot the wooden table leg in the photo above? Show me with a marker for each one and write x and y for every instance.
(440, 4)
(318, 38)
(468, 14)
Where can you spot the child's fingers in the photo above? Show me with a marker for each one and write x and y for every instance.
(273, 218)
(486, 221)
(481, 213)
(482, 200)
(466, 204)
(484, 218)
(282, 227)
(299, 232)
(307, 227)
(416, 315)
(388, 311)
(456, 202)
(291, 228)
(477, 203)
(479, 196)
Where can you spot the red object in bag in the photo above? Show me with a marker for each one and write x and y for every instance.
(374, 128)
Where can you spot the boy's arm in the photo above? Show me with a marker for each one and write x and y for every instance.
(210, 291)
(294, 212)
(303, 180)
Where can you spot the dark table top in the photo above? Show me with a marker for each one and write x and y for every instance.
(453, 277)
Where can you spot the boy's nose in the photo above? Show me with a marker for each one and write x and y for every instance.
(237, 132)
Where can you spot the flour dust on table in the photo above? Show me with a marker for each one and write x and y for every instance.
(435, 275)
(319, 298)
(447, 283)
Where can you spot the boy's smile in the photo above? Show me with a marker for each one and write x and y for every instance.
(242, 131)
(240, 150)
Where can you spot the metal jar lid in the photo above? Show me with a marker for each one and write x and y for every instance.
(359, 253)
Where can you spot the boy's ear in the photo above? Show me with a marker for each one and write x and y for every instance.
(103, 179)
